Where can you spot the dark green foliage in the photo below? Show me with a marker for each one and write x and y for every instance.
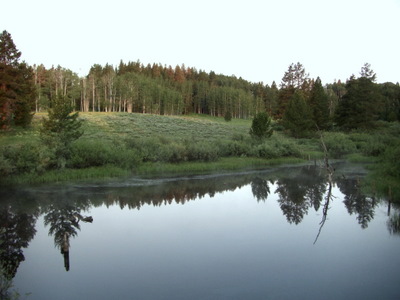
(338, 144)
(85, 154)
(228, 116)
(60, 129)
(161, 150)
(298, 116)
(27, 158)
(276, 148)
(234, 148)
(361, 105)
(261, 126)
(391, 102)
(24, 104)
(319, 105)
(373, 143)
(390, 164)
(17, 89)
(202, 151)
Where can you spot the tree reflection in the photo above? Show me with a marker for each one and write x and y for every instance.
(63, 220)
(16, 231)
(297, 194)
(260, 188)
(356, 202)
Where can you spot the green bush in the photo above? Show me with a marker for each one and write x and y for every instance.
(234, 148)
(265, 150)
(202, 151)
(390, 163)
(287, 147)
(26, 158)
(371, 144)
(276, 147)
(261, 126)
(338, 144)
(149, 149)
(6, 168)
(85, 154)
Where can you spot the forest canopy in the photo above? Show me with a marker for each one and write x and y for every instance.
(167, 90)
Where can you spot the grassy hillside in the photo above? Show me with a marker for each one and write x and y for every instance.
(111, 126)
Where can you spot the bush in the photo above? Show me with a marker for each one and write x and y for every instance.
(261, 126)
(6, 168)
(265, 150)
(234, 148)
(85, 154)
(26, 158)
(371, 144)
(390, 163)
(338, 144)
(276, 147)
(202, 151)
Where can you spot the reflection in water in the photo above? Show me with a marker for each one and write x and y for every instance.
(393, 224)
(63, 218)
(297, 194)
(16, 231)
(356, 202)
(260, 188)
(298, 190)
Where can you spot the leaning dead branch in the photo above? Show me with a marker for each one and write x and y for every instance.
(330, 170)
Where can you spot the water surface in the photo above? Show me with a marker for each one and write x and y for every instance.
(255, 235)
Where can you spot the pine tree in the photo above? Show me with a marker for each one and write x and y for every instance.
(294, 79)
(60, 129)
(261, 126)
(16, 85)
(319, 105)
(25, 103)
(360, 106)
(298, 116)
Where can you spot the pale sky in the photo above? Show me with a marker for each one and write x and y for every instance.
(253, 39)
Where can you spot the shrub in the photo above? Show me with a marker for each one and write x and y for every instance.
(85, 154)
(149, 149)
(202, 151)
(265, 150)
(286, 147)
(276, 147)
(338, 144)
(26, 158)
(6, 168)
(234, 148)
(390, 163)
(261, 126)
(371, 144)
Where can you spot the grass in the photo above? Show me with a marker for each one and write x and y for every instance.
(111, 126)
(122, 144)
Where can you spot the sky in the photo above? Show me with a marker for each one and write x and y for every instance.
(253, 39)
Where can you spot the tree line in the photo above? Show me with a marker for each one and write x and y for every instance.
(299, 102)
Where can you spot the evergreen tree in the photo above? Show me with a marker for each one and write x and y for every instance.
(294, 79)
(60, 129)
(261, 126)
(16, 85)
(228, 115)
(319, 105)
(25, 103)
(298, 116)
(360, 106)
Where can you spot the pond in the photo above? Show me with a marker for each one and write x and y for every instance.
(273, 234)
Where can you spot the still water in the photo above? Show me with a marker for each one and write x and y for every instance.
(258, 235)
